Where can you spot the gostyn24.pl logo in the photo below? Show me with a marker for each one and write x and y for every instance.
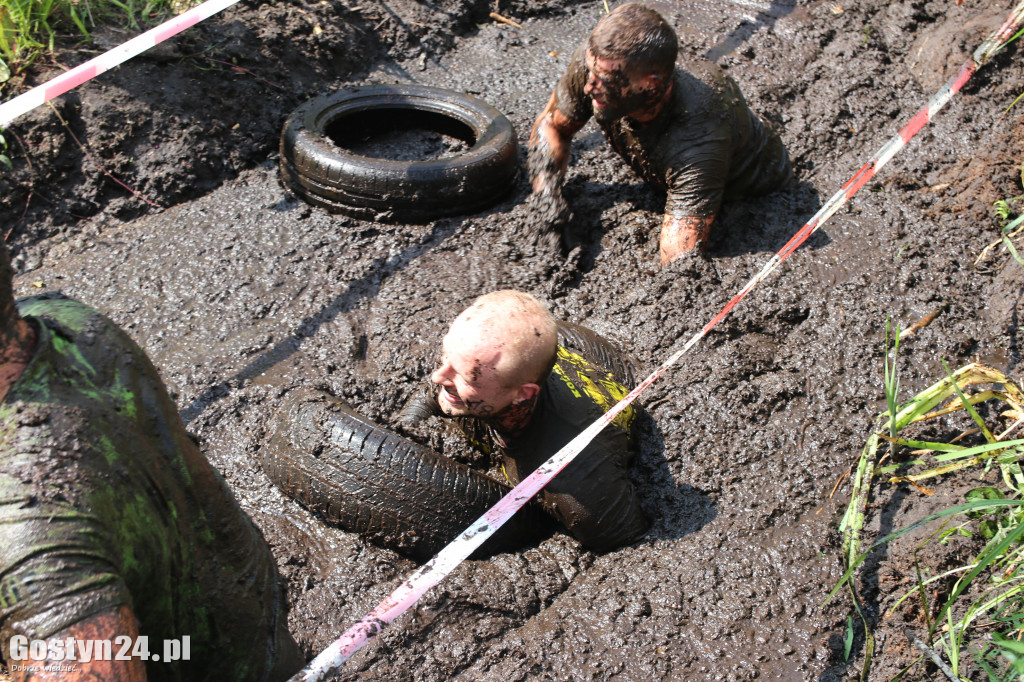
(122, 648)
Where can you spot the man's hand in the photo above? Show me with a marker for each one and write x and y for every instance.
(680, 235)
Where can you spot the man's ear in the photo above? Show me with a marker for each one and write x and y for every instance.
(526, 392)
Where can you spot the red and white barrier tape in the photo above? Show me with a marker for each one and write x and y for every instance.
(431, 573)
(41, 94)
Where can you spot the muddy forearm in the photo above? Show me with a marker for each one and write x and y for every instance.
(682, 234)
(420, 406)
(547, 161)
(547, 164)
(550, 141)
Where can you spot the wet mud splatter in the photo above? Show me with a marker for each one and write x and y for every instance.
(240, 294)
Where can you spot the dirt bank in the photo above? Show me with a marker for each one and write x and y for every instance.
(239, 293)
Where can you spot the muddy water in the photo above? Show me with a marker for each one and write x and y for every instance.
(246, 293)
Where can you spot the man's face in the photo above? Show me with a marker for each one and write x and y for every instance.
(613, 93)
(468, 384)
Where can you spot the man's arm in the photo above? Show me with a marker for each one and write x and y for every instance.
(420, 406)
(595, 499)
(683, 234)
(106, 625)
(547, 161)
(550, 140)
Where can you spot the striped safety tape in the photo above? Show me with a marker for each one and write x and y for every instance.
(431, 573)
(41, 94)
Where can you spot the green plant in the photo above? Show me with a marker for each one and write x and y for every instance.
(132, 10)
(25, 28)
(4, 159)
(29, 27)
(865, 35)
(891, 380)
(1010, 225)
(848, 639)
(1010, 228)
(989, 625)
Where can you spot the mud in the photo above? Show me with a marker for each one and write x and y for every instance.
(549, 211)
(401, 139)
(240, 293)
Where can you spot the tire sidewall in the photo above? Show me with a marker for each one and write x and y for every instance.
(333, 177)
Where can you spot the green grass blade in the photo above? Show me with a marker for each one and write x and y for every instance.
(888, 469)
(927, 445)
(952, 511)
(982, 564)
(981, 450)
(1012, 249)
(1019, 219)
(970, 408)
(909, 593)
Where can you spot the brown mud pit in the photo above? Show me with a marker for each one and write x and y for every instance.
(240, 293)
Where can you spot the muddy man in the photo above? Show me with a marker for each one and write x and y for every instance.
(502, 369)
(112, 524)
(686, 131)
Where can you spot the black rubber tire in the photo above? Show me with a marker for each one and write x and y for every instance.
(367, 480)
(322, 173)
(599, 351)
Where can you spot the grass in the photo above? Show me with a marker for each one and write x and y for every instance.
(891, 380)
(5, 160)
(1010, 225)
(975, 620)
(29, 28)
(1017, 35)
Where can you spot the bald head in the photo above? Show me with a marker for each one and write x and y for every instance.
(494, 359)
(512, 333)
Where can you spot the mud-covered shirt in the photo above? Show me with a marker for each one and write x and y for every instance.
(105, 502)
(593, 496)
(704, 147)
